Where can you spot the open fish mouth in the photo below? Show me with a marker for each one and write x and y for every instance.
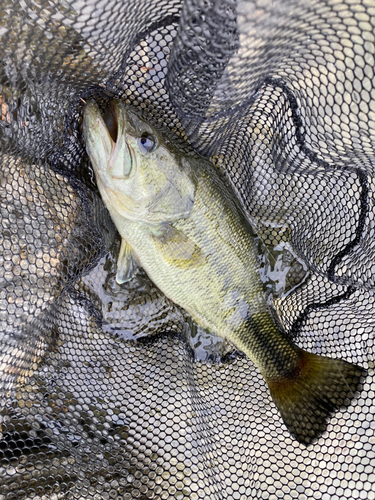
(106, 141)
(110, 118)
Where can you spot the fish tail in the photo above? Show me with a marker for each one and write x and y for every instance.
(316, 388)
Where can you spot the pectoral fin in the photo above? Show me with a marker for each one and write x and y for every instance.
(179, 249)
(127, 267)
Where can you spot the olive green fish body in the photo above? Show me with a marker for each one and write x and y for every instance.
(200, 263)
(178, 221)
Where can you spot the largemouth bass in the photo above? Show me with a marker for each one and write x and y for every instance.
(178, 220)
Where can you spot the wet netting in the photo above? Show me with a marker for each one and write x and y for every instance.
(112, 391)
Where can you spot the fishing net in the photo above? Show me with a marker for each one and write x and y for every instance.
(112, 391)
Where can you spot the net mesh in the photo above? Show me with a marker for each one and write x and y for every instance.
(113, 392)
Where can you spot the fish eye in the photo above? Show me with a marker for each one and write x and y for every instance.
(147, 143)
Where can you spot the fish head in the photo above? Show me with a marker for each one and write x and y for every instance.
(140, 175)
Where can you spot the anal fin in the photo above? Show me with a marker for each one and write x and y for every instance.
(127, 267)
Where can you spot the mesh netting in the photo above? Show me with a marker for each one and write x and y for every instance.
(112, 391)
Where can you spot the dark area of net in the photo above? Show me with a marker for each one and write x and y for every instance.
(90, 415)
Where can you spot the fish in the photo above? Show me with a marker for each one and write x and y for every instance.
(180, 222)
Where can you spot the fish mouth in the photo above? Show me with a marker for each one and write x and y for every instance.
(122, 158)
(110, 119)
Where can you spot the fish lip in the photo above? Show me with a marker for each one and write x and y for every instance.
(113, 158)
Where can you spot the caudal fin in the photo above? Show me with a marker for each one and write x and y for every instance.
(316, 388)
